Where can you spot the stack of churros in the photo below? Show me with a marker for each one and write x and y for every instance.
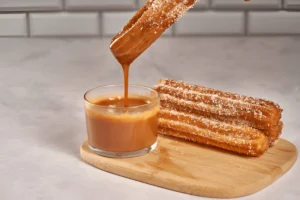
(233, 122)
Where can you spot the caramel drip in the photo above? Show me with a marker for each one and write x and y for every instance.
(126, 76)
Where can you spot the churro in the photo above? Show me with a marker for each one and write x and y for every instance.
(236, 138)
(224, 106)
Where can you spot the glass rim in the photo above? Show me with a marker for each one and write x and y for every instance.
(123, 107)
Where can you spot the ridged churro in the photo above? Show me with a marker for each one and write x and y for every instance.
(237, 138)
(228, 107)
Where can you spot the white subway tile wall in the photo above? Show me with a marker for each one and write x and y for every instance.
(113, 22)
(292, 4)
(242, 4)
(101, 4)
(30, 5)
(274, 22)
(13, 25)
(64, 24)
(211, 23)
(107, 17)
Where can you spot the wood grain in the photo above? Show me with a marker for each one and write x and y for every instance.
(199, 170)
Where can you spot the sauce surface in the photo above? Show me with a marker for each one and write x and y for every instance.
(118, 102)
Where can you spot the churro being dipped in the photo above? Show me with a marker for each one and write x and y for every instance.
(146, 26)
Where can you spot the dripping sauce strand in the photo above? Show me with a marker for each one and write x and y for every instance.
(126, 76)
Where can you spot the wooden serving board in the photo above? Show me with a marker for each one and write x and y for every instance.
(199, 170)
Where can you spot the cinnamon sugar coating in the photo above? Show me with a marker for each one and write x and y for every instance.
(237, 119)
(236, 138)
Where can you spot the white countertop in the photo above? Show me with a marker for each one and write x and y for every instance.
(42, 118)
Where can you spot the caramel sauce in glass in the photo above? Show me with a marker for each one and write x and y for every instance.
(112, 127)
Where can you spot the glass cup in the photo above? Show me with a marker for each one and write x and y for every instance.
(119, 131)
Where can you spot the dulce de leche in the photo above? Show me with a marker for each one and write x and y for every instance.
(114, 128)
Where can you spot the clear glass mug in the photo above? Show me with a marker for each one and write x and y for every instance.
(122, 131)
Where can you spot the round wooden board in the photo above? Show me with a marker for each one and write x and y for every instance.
(195, 169)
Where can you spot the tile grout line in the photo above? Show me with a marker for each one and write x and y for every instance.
(246, 22)
(100, 23)
(173, 30)
(28, 25)
(63, 4)
(137, 5)
(209, 4)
